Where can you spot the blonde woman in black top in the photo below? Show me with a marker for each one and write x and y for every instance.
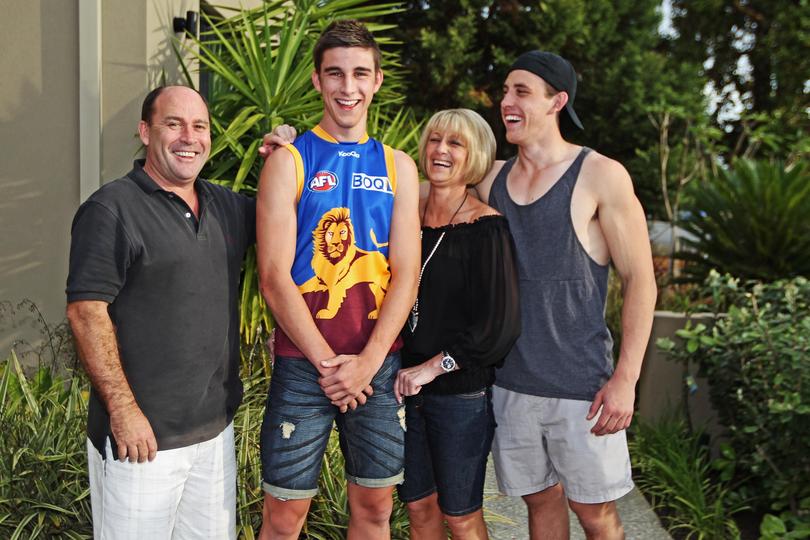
(465, 320)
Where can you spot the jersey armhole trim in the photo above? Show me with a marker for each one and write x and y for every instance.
(299, 170)
(391, 166)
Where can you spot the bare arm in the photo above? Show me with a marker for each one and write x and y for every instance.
(411, 380)
(404, 258)
(98, 351)
(274, 140)
(276, 230)
(482, 189)
(622, 221)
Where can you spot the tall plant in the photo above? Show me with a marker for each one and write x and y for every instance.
(755, 358)
(674, 470)
(260, 62)
(752, 220)
(43, 463)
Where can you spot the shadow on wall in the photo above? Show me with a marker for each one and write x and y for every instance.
(163, 67)
(39, 131)
(51, 344)
(39, 163)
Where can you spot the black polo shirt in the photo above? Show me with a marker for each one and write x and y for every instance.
(172, 284)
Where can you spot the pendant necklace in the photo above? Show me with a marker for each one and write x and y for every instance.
(413, 319)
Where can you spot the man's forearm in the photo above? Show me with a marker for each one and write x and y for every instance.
(291, 313)
(637, 316)
(98, 350)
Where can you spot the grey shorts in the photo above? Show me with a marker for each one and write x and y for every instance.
(542, 441)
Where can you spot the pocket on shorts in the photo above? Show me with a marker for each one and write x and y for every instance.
(477, 394)
(383, 380)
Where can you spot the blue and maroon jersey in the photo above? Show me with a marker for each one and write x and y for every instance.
(345, 202)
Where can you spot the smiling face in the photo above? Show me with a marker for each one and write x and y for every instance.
(446, 158)
(529, 106)
(347, 81)
(177, 137)
(456, 145)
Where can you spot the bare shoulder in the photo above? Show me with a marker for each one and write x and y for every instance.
(497, 165)
(402, 159)
(279, 167)
(483, 188)
(480, 209)
(407, 179)
(279, 160)
(605, 177)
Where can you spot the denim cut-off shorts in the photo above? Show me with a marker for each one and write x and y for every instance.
(446, 449)
(298, 422)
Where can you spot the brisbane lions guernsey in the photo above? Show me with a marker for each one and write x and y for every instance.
(345, 202)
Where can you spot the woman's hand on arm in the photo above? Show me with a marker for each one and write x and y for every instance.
(411, 380)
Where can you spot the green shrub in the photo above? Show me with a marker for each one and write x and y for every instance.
(786, 526)
(752, 221)
(673, 469)
(757, 361)
(44, 489)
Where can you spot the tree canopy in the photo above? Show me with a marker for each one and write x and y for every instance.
(457, 53)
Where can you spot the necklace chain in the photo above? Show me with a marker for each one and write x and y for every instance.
(413, 320)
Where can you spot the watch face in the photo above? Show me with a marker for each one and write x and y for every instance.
(448, 363)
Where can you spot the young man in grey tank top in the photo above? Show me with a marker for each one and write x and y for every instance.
(560, 406)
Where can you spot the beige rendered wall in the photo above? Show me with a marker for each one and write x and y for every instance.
(661, 384)
(39, 134)
(136, 44)
(39, 154)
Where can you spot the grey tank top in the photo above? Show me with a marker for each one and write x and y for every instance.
(565, 348)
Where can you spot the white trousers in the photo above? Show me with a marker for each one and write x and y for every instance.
(184, 493)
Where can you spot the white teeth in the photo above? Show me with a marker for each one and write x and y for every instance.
(511, 118)
(439, 163)
(185, 154)
(348, 102)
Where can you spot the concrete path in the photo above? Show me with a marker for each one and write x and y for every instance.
(506, 516)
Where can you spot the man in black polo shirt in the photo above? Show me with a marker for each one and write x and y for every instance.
(152, 296)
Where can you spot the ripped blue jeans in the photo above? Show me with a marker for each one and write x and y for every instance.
(298, 420)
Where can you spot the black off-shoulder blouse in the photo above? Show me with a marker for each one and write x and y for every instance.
(468, 303)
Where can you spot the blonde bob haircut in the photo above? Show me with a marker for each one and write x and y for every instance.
(475, 134)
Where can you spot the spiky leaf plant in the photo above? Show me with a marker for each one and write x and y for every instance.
(43, 462)
(751, 221)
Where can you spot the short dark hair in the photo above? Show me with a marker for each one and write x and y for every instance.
(148, 107)
(346, 33)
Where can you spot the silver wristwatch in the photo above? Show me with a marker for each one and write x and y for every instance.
(448, 363)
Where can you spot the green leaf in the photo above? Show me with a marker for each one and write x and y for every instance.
(772, 526)
(665, 344)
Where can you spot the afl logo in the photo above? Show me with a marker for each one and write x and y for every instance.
(323, 181)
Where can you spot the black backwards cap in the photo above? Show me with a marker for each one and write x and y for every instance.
(556, 71)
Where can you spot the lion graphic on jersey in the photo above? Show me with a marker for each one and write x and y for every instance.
(339, 264)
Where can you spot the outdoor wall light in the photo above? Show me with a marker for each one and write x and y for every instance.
(189, 24)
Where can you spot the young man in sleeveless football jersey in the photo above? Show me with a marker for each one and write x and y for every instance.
(560, 406)
(338, 253)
